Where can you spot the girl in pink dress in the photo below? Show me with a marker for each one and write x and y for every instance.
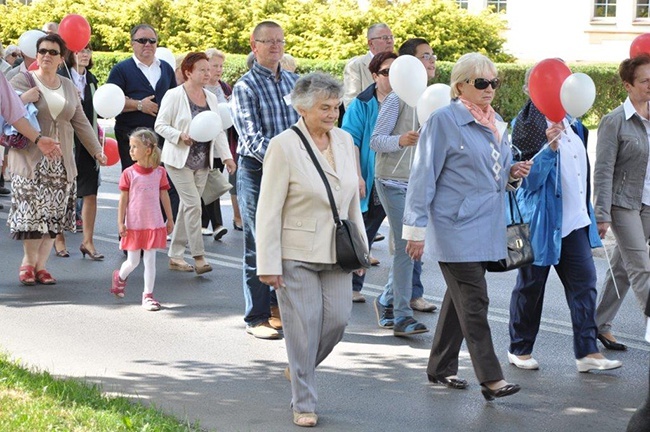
(140, 222)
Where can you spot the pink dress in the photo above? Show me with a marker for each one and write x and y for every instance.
(145, 227)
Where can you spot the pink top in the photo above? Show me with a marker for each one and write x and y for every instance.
(144, 220)
(11, 107)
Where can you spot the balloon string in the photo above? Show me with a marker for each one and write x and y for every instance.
(573, 121)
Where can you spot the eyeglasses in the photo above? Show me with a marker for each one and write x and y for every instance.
(482, 83)
(383, 72)
(385, 38)
(51, 52)
(271, 41)
(143, 41)
(429, 57)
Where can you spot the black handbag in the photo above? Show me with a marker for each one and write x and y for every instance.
(520, 250)
(351, 251)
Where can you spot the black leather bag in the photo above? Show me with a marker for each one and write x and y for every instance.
(351, 251)
(520, 250)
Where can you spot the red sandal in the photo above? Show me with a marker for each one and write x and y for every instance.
(118, 285)
(26, 275)
(44, 277)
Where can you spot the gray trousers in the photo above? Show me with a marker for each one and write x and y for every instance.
(316, 305)
(630, 262)
(463, 315)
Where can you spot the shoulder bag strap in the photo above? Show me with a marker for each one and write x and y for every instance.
(513, 199)
(337, 220)
(30, 79)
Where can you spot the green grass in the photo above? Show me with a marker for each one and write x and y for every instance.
(33, 401)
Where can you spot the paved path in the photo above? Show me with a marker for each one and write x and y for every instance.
(195, 360)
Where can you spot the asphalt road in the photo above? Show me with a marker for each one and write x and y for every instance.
(194, 359)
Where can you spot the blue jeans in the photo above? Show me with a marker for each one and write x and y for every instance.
(372, 220)
(577, 273)
(405, 273)
(258, 296)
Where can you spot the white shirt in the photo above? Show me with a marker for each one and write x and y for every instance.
(79, 81)
(151, 72)
(573, 167)
(629, 112)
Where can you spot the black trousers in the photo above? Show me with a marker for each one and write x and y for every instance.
(463, 315)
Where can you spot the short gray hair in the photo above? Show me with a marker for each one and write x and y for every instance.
(213, 52)
(135, 29)
(377, 26)
(314, 87)
(469, 67)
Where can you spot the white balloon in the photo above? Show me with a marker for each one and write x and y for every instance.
(408, 78)
(434, 97)
(165, 54)
(577, 94)
(27, 42)
(205, 126)
(226, 118)
(109, 100)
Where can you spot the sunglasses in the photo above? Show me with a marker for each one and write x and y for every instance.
(143, 41)
(51, 52)
(14, 54)
(383, 72)
(482, 83)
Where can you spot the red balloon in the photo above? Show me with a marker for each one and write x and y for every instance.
(544, 86)
(110, 150)
(640, 45)
(75, 31)
(33, 66)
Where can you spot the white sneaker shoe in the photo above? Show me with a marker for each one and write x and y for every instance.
(587, 364)
(206, 231)
(529, 364)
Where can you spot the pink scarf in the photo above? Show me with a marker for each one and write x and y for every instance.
(484, 117)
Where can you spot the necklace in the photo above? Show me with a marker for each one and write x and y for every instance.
(45, 85)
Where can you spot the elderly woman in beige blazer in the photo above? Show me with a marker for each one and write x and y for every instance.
(294, 218)
(188, 161)
(43, 202)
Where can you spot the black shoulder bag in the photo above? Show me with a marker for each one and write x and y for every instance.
(351, 251)
(520, 250)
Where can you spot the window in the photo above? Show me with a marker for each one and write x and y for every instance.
(604, 8)
(642, 7)
(463, 4)
(497, 5)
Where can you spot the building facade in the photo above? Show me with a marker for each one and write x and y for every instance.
(594, 31)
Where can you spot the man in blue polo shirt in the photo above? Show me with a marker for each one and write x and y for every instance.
(261, 109)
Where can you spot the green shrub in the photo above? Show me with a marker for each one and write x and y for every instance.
(509, 97)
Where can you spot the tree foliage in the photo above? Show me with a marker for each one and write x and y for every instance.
(314, 29)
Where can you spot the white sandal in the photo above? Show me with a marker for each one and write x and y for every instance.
(149, 303)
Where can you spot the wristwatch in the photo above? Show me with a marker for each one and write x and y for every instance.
(139, 105)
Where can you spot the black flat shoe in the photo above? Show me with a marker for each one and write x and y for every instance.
(506, 390)
(237, 227)
(454, 383)
(610, 345)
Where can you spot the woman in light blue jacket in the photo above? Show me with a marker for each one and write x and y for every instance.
(461, 171)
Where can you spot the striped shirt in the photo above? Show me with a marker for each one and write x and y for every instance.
(261, 109)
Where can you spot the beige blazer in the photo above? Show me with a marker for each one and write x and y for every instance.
(174, 117)
(71, 120)
(294, 219)
(356, 77)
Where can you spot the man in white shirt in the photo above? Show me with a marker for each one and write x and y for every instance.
(356, 76)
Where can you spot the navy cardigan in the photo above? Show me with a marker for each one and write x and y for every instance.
(135, 85)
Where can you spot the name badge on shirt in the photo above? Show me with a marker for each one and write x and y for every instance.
(287, 99)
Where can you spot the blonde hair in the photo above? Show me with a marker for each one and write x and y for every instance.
(213, 52)
(288, 63)
(149, 139)
(469, 67)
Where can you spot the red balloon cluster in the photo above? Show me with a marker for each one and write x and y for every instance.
(544, 86)
(640, 45)
(111, 152)
(75, 31)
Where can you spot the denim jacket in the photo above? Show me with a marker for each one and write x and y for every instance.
(540, 202)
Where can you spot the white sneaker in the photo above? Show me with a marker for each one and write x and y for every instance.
(206, 231)
(219, 232)
(587, 364)
(530, 364)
